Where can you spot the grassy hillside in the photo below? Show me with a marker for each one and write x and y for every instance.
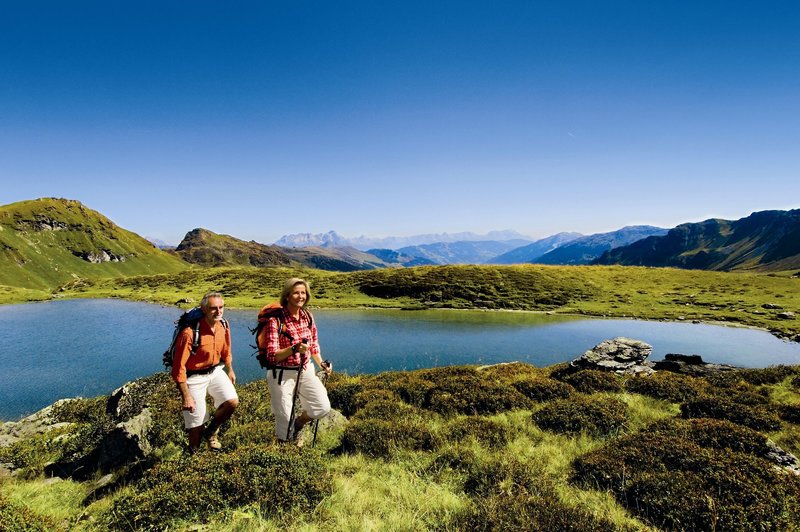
(507, 447)
(47, 242)
(647, 293)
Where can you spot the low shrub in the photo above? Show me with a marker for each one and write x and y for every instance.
(369, 395)
(486, 431)
(458, 459)
(542, 389)
(388, 410)
(412, 387)
(790, 413)
(474, 397)
(342, 394)
(756, 417)
(522, 511)
(795, 383)
(598, 416)
(694, 475)
(380, 439)
(195, 488)
(667, 386)
(510, 372)
(769, 375)
(510, 495)
(592, 381)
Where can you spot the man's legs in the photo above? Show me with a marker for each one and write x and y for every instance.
(226, 400)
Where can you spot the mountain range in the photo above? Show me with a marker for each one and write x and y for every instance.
(766, 240)
(334, 239)
(47, 242)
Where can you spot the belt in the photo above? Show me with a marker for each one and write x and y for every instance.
(204, 371)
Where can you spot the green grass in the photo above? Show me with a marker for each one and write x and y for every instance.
(611, 291)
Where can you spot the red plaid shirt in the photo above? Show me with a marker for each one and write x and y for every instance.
(299, 329)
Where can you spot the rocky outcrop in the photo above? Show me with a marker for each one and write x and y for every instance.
(690, 365)
(620, 355)
(37, 423)
(104, 255)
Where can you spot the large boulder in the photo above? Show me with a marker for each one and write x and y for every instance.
(690, 365)
(620, 355)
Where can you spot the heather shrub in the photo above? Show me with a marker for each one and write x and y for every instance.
(592, 381)
(472, 395)
(454, 460)
(510, 495)
(542, 389)
(769, 375)
(486, 431)
(667, 386)
(369, 395)
(380, 439)
(388, 410)
(542, 510)
(790, 413)
(795, 383)
(342, 395)
(757, 417)
(510, 372)
(195, 488)
(412, 387)
(598, 416)
(694, 475)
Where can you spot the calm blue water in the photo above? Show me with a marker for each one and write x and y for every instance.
(89, 347)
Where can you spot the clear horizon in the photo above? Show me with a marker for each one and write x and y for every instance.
(275, 118)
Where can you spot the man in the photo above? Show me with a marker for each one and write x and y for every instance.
(200, 372)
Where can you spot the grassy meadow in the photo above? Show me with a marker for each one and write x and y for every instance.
(614, 291)
(509, 447)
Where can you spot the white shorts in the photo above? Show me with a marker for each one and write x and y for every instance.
(312, 396)
(217, 385)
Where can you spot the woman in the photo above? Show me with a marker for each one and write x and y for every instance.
(291, 341)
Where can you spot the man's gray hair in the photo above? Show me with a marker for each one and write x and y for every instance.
(204, 301)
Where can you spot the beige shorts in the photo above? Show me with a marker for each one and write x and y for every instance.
(217, 385)
(312, 397)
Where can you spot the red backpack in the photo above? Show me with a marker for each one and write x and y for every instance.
(267, 312)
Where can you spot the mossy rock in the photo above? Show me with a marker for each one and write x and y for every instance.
(592, 381)
(598, 416)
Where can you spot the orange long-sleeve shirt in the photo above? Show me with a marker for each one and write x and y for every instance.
(215, 347)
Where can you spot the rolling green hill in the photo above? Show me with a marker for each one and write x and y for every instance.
(47, 242)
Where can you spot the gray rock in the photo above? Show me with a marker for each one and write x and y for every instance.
(785, 315)
(126, 443)
(783, 459)
(690, 365)
(621, 355)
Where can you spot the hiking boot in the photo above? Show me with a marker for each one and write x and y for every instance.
(212, 438)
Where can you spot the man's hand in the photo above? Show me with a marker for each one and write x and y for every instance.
(188, 404)
(232, 375)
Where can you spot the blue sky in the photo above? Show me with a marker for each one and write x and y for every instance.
(258, 119)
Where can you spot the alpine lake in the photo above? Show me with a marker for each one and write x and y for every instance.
(89, 347)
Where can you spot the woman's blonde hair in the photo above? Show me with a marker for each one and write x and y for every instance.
(287, 289)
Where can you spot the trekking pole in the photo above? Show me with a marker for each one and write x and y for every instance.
(294, 397)
(328, 365)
